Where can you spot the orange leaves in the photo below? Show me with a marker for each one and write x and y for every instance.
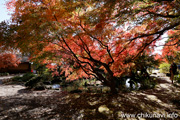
(8, 60)
(83, 35)
(51, 66)
(51, 47)
(139, 29)
(171, 48)
(171, 32)
(10, 5)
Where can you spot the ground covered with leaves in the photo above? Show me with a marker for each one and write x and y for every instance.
(161, 102)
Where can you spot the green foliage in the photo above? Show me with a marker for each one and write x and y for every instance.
(145, 82)
(4, 74)
(46, 77)
(143, 63)
(41, 69)
(38, 80)
(164, 67)
(27, 76)
(33, 82)
(148, 83)
(17, 79)
(146, 60)
(177, 78)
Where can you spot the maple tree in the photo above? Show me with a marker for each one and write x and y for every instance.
(92, 38)
(8, 60)
(165, 14)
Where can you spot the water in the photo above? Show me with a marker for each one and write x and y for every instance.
(133, 86)
(55, 86)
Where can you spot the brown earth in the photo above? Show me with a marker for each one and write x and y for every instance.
(19, 103)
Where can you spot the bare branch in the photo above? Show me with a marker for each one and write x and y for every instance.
(161, 15)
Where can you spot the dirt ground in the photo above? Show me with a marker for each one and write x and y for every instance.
(19, 103)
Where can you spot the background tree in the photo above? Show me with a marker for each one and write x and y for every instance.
(8, 56)
(8, 60)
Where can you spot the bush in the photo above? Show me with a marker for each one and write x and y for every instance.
(38, 81)
(33, 82)
(177, 77)
(46, 77)
(164, 67)
(148, 84)
(17, 79)
(4, 74)
(145, 81)
(27, 77)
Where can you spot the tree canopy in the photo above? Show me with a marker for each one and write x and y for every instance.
(92, 38)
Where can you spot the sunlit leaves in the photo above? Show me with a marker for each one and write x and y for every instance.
(172, 47)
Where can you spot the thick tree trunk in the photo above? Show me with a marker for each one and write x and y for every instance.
(108, 81)
(112, 84)
(113, 89)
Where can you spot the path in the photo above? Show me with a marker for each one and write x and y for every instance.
(4, 78)
(18, 103)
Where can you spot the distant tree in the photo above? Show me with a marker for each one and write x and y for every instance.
(8, 50)
(164, 67)
(8, 60)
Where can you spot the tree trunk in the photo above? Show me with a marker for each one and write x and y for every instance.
(108, 80)
(113, 90)
(112, 84)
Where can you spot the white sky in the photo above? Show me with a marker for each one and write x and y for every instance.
(160, 43)
(4, 14)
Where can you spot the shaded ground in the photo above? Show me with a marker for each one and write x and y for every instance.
(17, 103)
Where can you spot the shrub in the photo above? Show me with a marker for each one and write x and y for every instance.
(4, 74)
(33, 82)
(38, 81)
(27, 77)
(148, 83)
(164, 67)
(46, 77)
(145, 81)
(17, 79)
(177, 77)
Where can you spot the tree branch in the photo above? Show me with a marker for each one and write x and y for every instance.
(158, 32)
(146, 45)
(101, 43)
(161, 15)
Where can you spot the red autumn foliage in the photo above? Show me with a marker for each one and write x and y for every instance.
(92, 38)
